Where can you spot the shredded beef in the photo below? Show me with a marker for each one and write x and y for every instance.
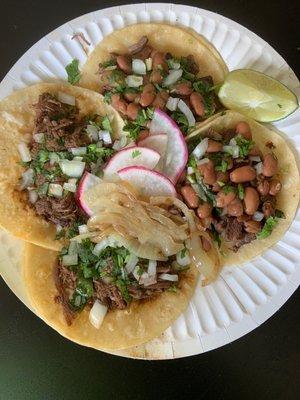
(192, 66)
(65, 281)
(247, 238)
(234, 230)
(228, 135)
(109, 295)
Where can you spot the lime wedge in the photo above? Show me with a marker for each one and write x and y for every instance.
(257, 95)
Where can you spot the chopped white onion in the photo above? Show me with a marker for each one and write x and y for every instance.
(131, 263)
(73, 181)
(138, 67)
(33, 196)
(258, 216)
(59, 228)
(134, 81)
(55, 190)
(100, 246)
(77, 158)
(172, 77)
(147, 280)
(99, 144)
(66, 98)
(232, 150)
(70, 259)
(73, 247)
(190, 170)
(187, 112)
(119, 144)
(232, 142)
(172, 103)
(54, 158)
(255, 158)
(97, 314)
(106, 137)
(202, 161)
(70, 187)
(152, 267)
(168, 277)
(148, 63)
(73, 168)
(92, 132)
(78, 151)
(82, 229)
(259, 168)
(135, 272)
(200, 149)
(173, 64)
(183, 261)
(24, 152)
(27, 178)
(39, 137)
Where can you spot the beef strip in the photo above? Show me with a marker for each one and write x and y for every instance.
(234, 230)
(65, 281)
(109, 295)
(247, 238)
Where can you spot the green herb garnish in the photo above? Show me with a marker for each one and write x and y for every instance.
(135, 153)
(73, 72)
(222, 167)
(268, 227)
(241, 191)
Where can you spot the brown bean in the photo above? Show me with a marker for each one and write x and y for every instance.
(270, 165)
(243, 174)
(255, 151)
(124, 63)
(144, 53)
(130, 96)
(144, 134)
(221, 177)
(206, 245)
(223, 199)
(190, 196)
(118, 103)
(183, 89)
(204, 223)
(148, 95)
(197, 103)
(132, 111)
(275, 187)
(251, 200)
(156, 77)
(160, 100)
(243, 218)
(182, 177)
(252, 226)
(208, 172)
(263, 187)
(268, 209)
(214, 146)
(243, 129)
(204, 210)
(159, 61)
(235, 208)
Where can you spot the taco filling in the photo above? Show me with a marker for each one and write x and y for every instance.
(143, 79)
(233, 186)
(64, 146)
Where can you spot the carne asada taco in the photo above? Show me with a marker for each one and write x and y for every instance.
(147, 66)
(243, 182)
(127, 278)
(50, 134)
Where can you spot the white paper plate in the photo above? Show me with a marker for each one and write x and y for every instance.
(243, 297)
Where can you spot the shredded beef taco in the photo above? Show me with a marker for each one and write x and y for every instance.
(123, 281)
(147, 66)
(51, 135)
(243, 183)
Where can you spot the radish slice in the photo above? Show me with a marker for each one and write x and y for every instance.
(176, 147)
(131, 156)
(149, 183)
(156, 142)
(87, 181)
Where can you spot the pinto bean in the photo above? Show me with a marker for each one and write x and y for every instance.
(204, 210)
(148, 95)
(263, 187)
(156, 77)
(235, 208)
(208, 172)
(204, 223)
(161, 100)
(205, 244)
(190, 196)
(223, 199)
(143, 134)
(118, 103)
(251, 200)
(243, 174)
(243, 218)
(138, 46)
(132, 111)
(159, 61)
(275, 187)
(243, 129)
(252, 226)
(144, 53)
(183, 89)
(197, 103)
(255, 151)
(130, 96)
(270, 165)
(221, 177)
(124, 63)
(268, 209)
(214, 146)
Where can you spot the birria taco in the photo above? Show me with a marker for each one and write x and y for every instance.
(243, 182)
(50, 135)
(147, 66)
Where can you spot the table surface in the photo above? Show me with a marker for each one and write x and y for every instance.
(36, 363)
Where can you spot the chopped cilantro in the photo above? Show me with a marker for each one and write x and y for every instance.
(42, 190)
(268, 227)
(279, 105)
(73, 72)
(202, 86)
(107, 97)
(95, 153)
(279, 214)
(122, 285)
(207, 194)
(181, 120)
(84, 290)
(108, 63)
(228, 189)
(117, 78)
(215, 235)
(135, 153)
(222, 167)
(241, 191)
(60, 234)
(192, 162)
(106, 125)
(173, 288)
(183, 252)
(244, 145)
(134, 127)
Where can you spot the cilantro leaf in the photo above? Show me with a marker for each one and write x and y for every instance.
(241, 191)
(73, 72)
(106, 125)
(244, 145)
(135, 153)
(222, 167)
(268, 227)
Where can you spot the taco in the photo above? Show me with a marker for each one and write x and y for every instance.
(50, 135)
(243, 182)
(147, 66)
(126, 279)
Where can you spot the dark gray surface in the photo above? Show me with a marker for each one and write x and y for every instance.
(36, 363)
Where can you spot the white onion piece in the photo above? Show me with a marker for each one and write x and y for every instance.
(73, 248)
(135, 273)
(97, 314)
(82, 229)
(183, 261)
(148, 63)
(259, 168)
(232, 150)
(119, 144)
(172, 103)
(70, 187)
(33, 196)
(106, 137)
(54, 158)
(134, 80)
(172, 77)
(78, 151)
(147, 280)
(168, 277)
(100, 246)
(258, 216)
(66, 98)
(73, 169)
(232, 142)
(187, 112)
(24, 152)
(138, 66)
(131, 263)
(200, 149)
(152, 267)
(77, 158)
(255, 158)
(39, 137)
(173, 64)
(59, 228)
(70, 259)
(55, 190)
(92, 132)
(27, 178)
(190, 170)
(203, 161)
